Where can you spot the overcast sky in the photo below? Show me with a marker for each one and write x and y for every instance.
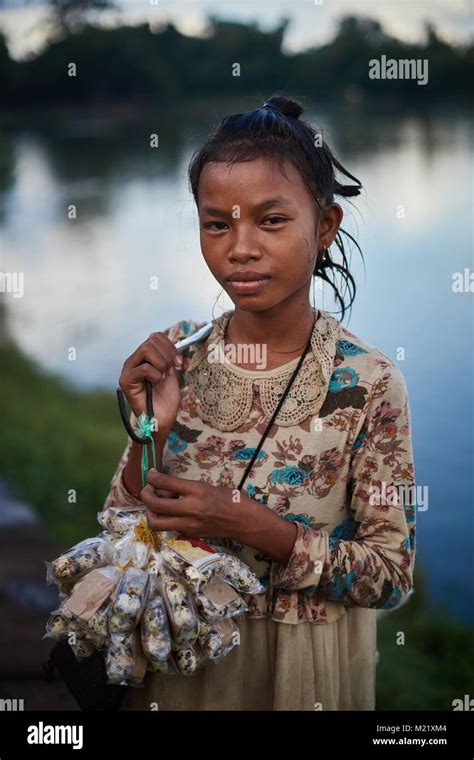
(311, 23)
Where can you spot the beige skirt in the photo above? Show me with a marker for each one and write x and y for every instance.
(277, 666)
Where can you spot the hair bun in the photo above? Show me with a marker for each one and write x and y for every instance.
(286, 106)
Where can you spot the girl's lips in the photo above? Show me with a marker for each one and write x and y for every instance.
(248, 286)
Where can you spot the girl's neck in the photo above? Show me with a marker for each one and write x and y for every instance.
(283, 337)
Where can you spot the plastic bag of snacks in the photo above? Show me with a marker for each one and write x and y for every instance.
(154, 565)
(218, 600)
(125, 662)
(130, 550)
(120, 520)
(58, 622)
(191, 559)
(69, 567)
(182, 614)
(127, 604)
(161, 602)
(217, 639)
(237, 573)
(91, 591)
(155, 629)
(190, 659)
(85, 611)
(79, 641)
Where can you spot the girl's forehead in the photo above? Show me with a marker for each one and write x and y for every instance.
(251, 176)
(261, 165)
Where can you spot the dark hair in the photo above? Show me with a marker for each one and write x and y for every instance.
(274, 131)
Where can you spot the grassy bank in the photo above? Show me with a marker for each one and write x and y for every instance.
(57, 438)
(435, 663)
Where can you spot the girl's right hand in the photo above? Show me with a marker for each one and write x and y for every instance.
(154, 360)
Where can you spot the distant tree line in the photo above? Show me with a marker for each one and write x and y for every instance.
(134, 64)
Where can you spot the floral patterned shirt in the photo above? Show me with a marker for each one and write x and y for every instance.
(337, 462)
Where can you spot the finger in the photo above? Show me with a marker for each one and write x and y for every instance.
(163, 348)
(144, 371)
(181, 486)
(159, 523)
(149, 353)
(165, 494)
(162, 341)
(161, 505)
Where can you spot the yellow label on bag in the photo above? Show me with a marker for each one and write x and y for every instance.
(192, 554)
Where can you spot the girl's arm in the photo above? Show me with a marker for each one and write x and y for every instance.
(368, 560)
(126, 482)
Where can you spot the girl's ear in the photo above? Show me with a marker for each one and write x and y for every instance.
(330, 221)
(337, 214)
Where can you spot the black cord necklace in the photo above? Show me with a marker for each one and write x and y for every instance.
(278, 407)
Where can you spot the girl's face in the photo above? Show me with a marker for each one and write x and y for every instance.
(255, 221)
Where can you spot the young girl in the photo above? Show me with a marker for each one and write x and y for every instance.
(325, 517)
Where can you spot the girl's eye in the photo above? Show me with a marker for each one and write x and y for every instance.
(209, 225)
(275, 219)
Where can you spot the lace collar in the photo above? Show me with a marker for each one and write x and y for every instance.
(222, 393)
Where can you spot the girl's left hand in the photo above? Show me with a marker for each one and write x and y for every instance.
(198, 509)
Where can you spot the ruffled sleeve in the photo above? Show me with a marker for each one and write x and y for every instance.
(373, 566)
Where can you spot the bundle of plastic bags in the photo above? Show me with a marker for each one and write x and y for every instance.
(147, 600)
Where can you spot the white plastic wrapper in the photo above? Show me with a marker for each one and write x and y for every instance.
(119, 661)
(69, 567)
(218, 600)
(190, 659)
(125, 663)
(154, 565)
(209, 640)
(217, 639)
(196, 563)
(120, 520)
(239, 575)
(56, 627)
(97, 626)
(155, 630)
(130, 551)
(79, 642)
(127, 603)
(182, 613)
(58, 623)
